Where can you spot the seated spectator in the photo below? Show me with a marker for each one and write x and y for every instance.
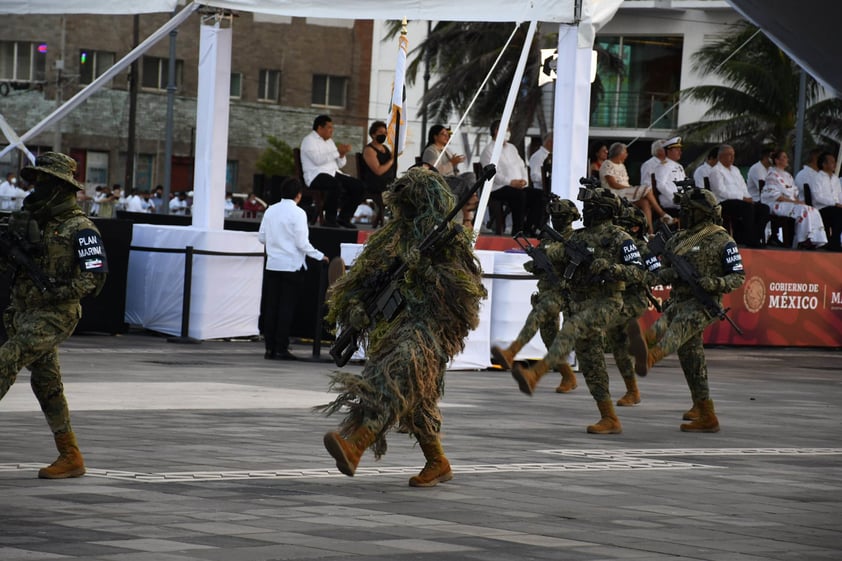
(252, 207)
(747, 217)
(365, 213)
(782, 197)
(807, 174)
(827, 197)
(613, 175)
(321, 160)
(758, 173)
(648, 168)
(705, 168)
(596, 157)
(511, 185)
(379, 168)
(437, 157)
(668, 173)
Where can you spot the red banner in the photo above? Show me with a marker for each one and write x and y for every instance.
(789, 299)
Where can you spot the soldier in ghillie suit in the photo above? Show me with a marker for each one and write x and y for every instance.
(69, 263)
(548, 301)
(403, 377)
(626, 335)
(713, 253)
(605, 259)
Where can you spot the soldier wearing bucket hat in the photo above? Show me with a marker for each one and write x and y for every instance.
(67, 248)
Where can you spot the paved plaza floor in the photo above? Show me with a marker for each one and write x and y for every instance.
(209, 452)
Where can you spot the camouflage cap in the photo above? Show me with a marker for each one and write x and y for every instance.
(56, 164)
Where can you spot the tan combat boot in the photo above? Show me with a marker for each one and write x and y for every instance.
(632, 396)
(436, 470)
(638, 347)
(693, 413)
(347, 453)
(707, 421)
(654, 356)
(527, 377)
(505, 358)
(69, 463)
(609, 423)
(568, 379)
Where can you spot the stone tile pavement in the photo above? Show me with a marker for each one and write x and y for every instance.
(209, 452)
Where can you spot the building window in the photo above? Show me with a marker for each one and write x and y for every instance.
(96, 168)
(93, 64)
(236, 85)
(640, 97)
(22, 61)
(144, 171)
(330, 91)
(269, 85)
(232, 168)
(154, 71)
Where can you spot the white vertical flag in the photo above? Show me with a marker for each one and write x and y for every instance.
(398, 97)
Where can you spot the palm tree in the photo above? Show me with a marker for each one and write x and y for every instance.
(757, 106)
(461, 54)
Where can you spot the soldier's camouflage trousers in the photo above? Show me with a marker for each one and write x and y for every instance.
(583, 330)
(616, 337)
(680, 329)
(544, 316)
(33, 339)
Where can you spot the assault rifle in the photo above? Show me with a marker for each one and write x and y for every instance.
(688, 273)
(539, 257)
(16, 250)
(386, 300)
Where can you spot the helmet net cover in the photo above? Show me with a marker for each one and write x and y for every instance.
(601, 205)
(698, 206)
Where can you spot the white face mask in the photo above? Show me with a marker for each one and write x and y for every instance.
(14, 181)
(508, 136)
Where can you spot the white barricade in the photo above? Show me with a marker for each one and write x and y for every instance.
(512, 303)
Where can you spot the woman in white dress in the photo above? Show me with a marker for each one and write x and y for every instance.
(781, 195)
(613, 175)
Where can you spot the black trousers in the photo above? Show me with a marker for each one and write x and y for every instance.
(748, 220)
(342, 192)
(525, 204)
(832, 218)
(281, 291)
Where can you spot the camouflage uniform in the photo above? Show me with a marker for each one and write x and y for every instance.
(548, 302)
(595, 301)
(716, 258)
(626, 333)
(403, 378)
(71, 255)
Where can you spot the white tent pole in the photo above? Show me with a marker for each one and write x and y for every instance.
(106, 77)
(14, 139)
(504, 125)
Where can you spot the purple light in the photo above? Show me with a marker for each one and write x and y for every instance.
(42, 48)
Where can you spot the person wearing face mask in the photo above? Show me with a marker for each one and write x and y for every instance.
(67, 248)
(8, 192)
(437, 157)
(378, 168)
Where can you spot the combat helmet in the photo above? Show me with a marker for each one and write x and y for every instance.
(563, 212)
(632, 217)
(699, 206)
(600, 204)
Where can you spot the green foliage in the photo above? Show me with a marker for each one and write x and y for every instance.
(277, 159)
(758, 104)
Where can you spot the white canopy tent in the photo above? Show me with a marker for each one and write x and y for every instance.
(578, 22)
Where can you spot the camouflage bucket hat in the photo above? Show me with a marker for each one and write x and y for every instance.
(58, 165)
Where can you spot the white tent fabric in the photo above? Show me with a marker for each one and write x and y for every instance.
(559, 11)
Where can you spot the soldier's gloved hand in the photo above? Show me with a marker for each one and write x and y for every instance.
(712, 284)
(600, 265)
(666, 275)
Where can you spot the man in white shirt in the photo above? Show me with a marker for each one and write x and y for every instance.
(284, 231)
(807, 174)
(8, 192)
(705, 168)
(511, 186)
(747, 217)
(758, 173)
(668, 173)
(659, 157)
(826, 192)
(135, 203)
(536, 161)
(178, 205)
(321, 160)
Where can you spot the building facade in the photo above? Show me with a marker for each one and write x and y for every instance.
(284, 72)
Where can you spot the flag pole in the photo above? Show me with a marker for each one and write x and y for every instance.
(397, 95)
